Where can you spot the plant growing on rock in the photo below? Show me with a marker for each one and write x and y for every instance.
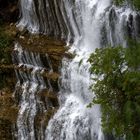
(134, 3)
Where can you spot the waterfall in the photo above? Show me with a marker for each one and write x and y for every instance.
(74, 121)
(85, 25)
(28, 88)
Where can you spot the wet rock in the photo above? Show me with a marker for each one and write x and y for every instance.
(55, 49)
(8, 109)
(49, 49)
(42, 119)
(8, 114)
(138, 24)
(7, 106)
(5, 129)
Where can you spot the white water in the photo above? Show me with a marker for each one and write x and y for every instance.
(74, 121)
(90, 24)
(28, 88)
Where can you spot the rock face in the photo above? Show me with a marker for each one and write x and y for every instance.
(9, 10)
(37, 59)
(55, 51)
(35, 44)
(8, 114)
(8, 108)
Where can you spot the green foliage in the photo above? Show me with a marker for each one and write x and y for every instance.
(116, 78)
(118, 2)
(133, 54)
(134, 3)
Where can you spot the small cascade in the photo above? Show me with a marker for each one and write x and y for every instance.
(73, 120)
(43, 16)
(29, 86)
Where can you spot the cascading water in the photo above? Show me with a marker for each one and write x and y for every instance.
(89, 24)
(30, 84)
(74, 121)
